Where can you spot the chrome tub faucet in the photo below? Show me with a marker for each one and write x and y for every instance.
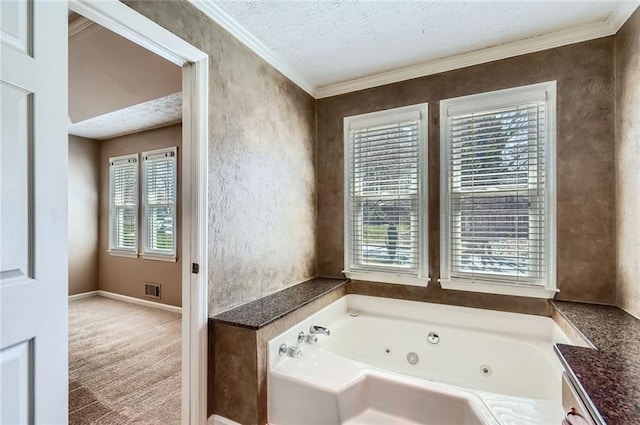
(319, 330)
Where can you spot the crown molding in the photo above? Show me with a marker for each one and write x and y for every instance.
(220, 16)
(80, 29)
(78, 25)
(604, 28)
(621, 14)
(530, 45)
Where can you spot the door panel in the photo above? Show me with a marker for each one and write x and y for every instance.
(16, 224)
(15, 24)
(17, 385)
(33, 212)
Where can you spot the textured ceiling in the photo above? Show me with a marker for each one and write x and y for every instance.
(117, 87)
(155, 113)
(333, 41)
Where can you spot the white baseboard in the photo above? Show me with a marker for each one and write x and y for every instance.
(220, 420)
(83, 295)
(127, 299)
(138, 301)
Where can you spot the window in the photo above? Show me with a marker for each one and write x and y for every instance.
(498, 191)
(385, 189)
(159, 187)
(123, 205)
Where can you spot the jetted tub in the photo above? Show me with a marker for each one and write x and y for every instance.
(402, 362)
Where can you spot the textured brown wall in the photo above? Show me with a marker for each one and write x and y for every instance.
(627, 65)
(235, 374)
(433, 294)
(585, 157)
(123, 275)
(83, 214)
(261, 175)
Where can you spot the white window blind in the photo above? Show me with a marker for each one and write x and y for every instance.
(123, 208)
(498, 211)
(159, 187)
(384, 208)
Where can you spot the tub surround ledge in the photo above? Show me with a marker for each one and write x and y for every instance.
(608, 377)
(263, 311)
(238, 346)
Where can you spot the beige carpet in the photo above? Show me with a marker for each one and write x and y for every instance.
(124, 363)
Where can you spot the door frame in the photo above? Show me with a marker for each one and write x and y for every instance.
(119, 18)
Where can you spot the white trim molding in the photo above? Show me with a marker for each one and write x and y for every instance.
(220, 420)
(542, 282)
(165, 258)
(591, 31)
(126, 22)
(138, 301)
(388, 278)
(79, 24)
(83, 295)
(220, 16)
(125, 254)
(126, 299)
(195, 231)
(620, 15)
(603, 28)
(81, 29)
(493, 288)
(355, 266)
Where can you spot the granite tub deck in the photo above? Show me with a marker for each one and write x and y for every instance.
(238, 346)
(609, 375)
(261, 312)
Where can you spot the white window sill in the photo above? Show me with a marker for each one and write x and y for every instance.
(493, 288)
(167, 258)
(155, 257)
(126, 254)
(387, 278)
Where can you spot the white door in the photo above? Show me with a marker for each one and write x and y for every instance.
(33, 212)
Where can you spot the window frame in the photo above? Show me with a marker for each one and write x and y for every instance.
(547, 286)
(146, 252)
(378, 273)
(113, 249)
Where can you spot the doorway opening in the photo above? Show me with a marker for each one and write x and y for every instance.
(125, 281)
(192, 159)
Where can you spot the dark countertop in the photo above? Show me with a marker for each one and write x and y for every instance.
(261, 312)
(609, 375)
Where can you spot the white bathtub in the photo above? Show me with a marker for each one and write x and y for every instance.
(486, 368)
